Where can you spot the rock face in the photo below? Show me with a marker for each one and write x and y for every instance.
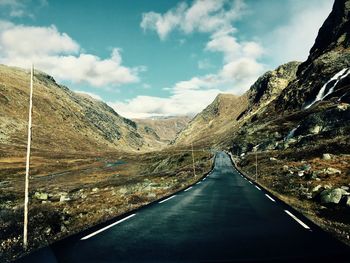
(312, 109)
(329, 55)
(62, 120)
(270, 85)
(217, 123)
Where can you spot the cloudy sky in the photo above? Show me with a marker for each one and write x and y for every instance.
(154, 58)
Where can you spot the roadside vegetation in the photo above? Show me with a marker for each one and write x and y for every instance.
(70, 192)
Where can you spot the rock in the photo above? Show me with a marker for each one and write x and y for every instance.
(316, 188)
(94, 189)
(331, 196)
(47, 230)
(273, 159)
(64, 198)
(300, 173)
(346, 188)
(326, 156)
(315, 130)
(331, 171)
(41, 196)
(285, 168)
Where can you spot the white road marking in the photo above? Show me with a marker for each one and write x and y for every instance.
(167, 199)
(105, 228)
(297, 219)
(250, 182)
(269, 197)
(257, 187)
(198, 183)
(188, 189)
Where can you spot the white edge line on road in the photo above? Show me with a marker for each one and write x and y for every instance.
(109, 226)
(198, 183)
(297, 219)
(167, 199)
(250, 182)
(269, 197)
(188, 189)
(257, 187)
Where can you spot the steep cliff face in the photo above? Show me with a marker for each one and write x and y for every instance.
(62, 120)
(329, 56)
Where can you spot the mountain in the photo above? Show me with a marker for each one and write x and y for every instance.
(290, 130)
(164, 129)
(313, 108)
(62, 120)
(216, 123)
(209, 125)
(329, 55)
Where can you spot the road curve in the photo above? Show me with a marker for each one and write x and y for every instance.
(223, 218)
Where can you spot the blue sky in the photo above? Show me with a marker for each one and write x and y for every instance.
(147, 58)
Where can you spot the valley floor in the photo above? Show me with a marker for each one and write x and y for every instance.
(70, 192)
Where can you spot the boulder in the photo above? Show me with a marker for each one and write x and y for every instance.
(331, 196)
(41, 196)
(331, 171)
(326, 156)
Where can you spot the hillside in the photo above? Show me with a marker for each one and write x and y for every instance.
(216, 124)
(164, 129)
(62, 120)
(208, 126)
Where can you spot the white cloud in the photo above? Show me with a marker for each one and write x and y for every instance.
(59, 55)
(240, 66)
(293, 40)
(188, 102)
(205, 16)
(19, 8)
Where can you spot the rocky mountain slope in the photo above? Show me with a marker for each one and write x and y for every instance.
(164, 128)
(62, 120)
(216, 124)
(209, 126)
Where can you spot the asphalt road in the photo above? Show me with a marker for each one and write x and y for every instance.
(223, 218)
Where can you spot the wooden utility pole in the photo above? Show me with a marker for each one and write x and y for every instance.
(26, 198)
(194, 168)
(256, 165)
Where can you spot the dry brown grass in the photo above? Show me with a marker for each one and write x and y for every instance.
(100, 186)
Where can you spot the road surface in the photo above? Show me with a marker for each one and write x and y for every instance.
(223, 218)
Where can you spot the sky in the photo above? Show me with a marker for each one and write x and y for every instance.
(158, 58)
